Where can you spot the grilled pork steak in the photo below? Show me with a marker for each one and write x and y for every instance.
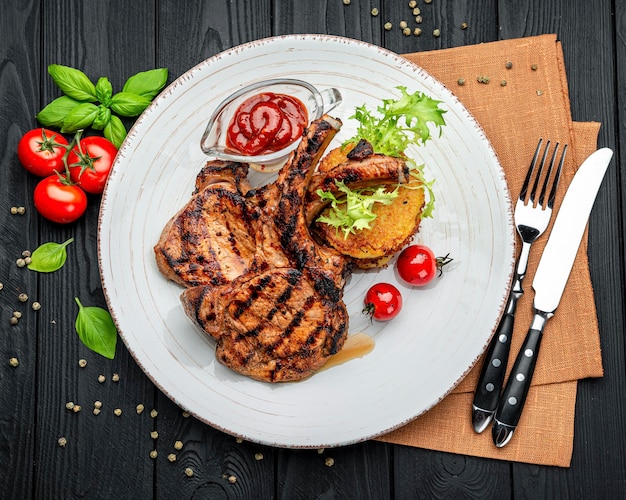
(210, 240)
(283, 316)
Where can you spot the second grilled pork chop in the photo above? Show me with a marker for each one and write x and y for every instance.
(284, 316)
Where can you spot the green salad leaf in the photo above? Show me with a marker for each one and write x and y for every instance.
(352, 210)
(399, 122)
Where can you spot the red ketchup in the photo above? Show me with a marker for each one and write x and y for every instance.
(265, 123)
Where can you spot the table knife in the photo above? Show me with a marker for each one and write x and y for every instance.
(549, 284)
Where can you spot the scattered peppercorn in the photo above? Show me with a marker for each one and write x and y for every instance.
(96, 411)
(534, 67)
(419, 19)
(20, 262)
(388, 26)
(540, 92)
(258, 456)
(13, 210)
(76, 408)
(101, 379)
(17, 314)
(329, 462)
(503, 83)
(1, 286)
(22, 297)
(482, 79)
(412, 4)
(374, 12)
(115, 377)
(436, 32)
(463, 26)
(153, 454)
(21, 210)
(172, 457)
(82, 363)
(69, 405)
(178, 445)
(62, 442)
(13, 320)
(186, 414)
(239, 440)
(26, 253)
(36, 306)
(188, 471)
(154, 435)
(417, 31)
(320, 451)
(416, 11)
(232, 479)
(154, 413)
(406, 31)
(461, 81)
(97, 404)
(14, 362)
(509, 65)
(117, 412)
(140, 408)
(403, 24)
(428, 1)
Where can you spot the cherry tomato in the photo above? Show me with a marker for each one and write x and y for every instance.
(90, 163)
(41, 151)
(417, 264)
(383, 301)
(58, 201)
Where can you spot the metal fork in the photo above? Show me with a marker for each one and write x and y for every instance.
(532, 216)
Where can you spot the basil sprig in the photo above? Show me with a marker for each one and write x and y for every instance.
(87, 105)
(96, 329)
(49, 257)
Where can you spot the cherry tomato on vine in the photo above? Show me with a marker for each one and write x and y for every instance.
(383, 301)
(59, 201)
(41, 152)
(90, 163)
(417, 264)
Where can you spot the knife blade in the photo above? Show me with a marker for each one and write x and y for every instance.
(549, 284)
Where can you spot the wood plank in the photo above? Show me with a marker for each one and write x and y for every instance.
(19, 85)
(106, 456)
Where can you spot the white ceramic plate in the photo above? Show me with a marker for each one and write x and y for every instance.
(418, 357)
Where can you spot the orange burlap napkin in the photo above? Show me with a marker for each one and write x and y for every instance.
(523, 101)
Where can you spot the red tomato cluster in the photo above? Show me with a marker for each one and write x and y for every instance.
(417, 266)
(69, 171)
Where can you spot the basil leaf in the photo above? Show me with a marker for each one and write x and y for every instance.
(129, 104)
(73, 82)
(55, 112)
(104, 90)
(81, 117)
(102, 118)
(49, 257)
(96, 329)
(146, 83)
(115, 131)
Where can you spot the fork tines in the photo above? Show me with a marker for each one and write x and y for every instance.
(546, 180)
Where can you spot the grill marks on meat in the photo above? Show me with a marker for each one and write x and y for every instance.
(284, 316)
(210, 240)
(358, 172)
(274, 326)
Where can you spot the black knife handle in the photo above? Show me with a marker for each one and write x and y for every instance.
(514, 395)
(491, 378)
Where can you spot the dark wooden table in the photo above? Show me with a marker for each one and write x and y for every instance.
(109, 457)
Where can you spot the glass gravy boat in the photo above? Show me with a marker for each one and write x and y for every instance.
(213, 142)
